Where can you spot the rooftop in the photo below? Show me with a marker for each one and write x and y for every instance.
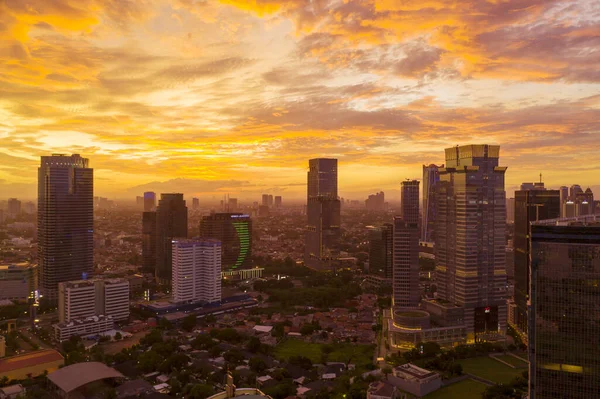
(29, 360)
(77, 375)
(414, 371)
(587, 220)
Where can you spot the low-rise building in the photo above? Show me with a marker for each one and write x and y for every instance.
(30, 364)
(12, 392)
(415, 380)
(83, 327)
(381, 390)
(18, 281)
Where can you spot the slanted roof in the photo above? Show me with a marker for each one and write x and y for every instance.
(77, 375)
(29, 359)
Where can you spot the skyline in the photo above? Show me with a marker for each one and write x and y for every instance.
(210, 98)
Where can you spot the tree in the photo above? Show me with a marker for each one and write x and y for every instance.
(149, 361)
(253, 345)
(151, 338)
(301, 361)
(257, 365)
(386, 370)
(203, 342)
(201, 391)
(118, 336)
(234, 356)
(189, 323)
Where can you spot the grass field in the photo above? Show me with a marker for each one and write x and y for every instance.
(490, 369)
(361, 355)
(512, 360)
(466, 389)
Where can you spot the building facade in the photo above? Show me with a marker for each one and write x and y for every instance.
(92, 325)
(531, 205)
(234, 231)
(18, 281)
(564, 321)
(85, 298)
(323, 214)
(171, 222)
(65, 221)
(431, 176)
(14, 207)
(381, 250)
(149, 201)
(149, 242)
(197, 270)
(470, 238)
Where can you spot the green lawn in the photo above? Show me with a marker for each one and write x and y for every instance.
(466, 389)
(490, 369)
(512, 360)
(361, 355)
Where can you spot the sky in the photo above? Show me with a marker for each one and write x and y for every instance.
(214, 97)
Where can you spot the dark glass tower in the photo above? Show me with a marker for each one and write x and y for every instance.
(234, 230)
(431, 176)
(323, 214)
(149, 201)
(65, 221)
(530, 206)
(149, 242)
(564, 316)
(405, 284)
(171, 222)
(380, 250)
(470, 239)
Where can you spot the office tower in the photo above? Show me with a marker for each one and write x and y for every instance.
(85, 298)
(510, 210)
(431, 176)
(564, 322)
(171, 222)
(197, 270)
(569, 209)
(278, 201)
(573, 191)
(406, 249)
(29, 208)
(18, 281)
(564, 194)
(76, 300)
(112, 298)
(232, 204)
(65, 221)
(270, 200)
(380, 250)
(195, 204)
(530, 206)
(149, 201)
(470, 237)
(323, 214)
(265, 199)
(14, 207)
(139, 202)
(234, 231)
(149, 242)
(375, 202)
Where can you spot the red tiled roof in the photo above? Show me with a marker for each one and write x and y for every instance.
(29, 359)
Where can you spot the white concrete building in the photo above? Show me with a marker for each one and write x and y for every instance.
(83, 327)
(196, 270)
(415, 380)
(85, 298)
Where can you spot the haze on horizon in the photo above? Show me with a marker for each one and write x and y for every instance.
(213, 97)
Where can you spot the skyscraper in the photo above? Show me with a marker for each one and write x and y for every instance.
(381, 250)
(149, 242)
(405, 283)
(270, 200)
(171, 222)
(573, 191)
(195, 203)
(265, 200)
(234, 231)
(564, 322)
(431, 176)
(470, 237)
(530, 206)
(149, 201)
(278, 201)
(197, 270)
(375, 202)
(65, 221)
(14, 207)
(564, 194)
(323, 214)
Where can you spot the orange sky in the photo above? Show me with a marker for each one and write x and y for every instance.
(234, 96)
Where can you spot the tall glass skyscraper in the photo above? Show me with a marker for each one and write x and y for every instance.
(234, 230)
(431, 176)
(65, 221)
(323, 214)
(470, 239)
(380, 250)
(171, 222)
(531, 205)
(149, 201)
(564, 311)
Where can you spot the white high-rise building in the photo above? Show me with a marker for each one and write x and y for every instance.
(85, 298)
(196, 270)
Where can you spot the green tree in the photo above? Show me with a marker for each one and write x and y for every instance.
(189, 322)
(201, 391)
(149, 361)
(257, 365)
(118, 336)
